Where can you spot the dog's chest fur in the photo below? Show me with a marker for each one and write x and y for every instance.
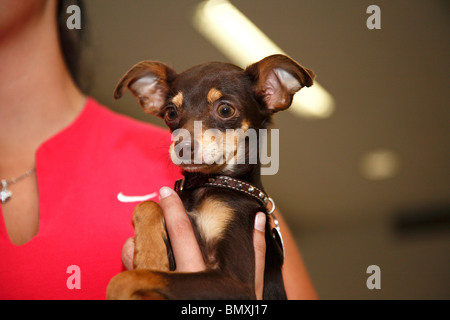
(211, 219)
(220, 224)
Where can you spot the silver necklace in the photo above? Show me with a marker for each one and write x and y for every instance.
(5, 193)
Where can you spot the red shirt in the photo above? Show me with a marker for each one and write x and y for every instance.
(82, 224)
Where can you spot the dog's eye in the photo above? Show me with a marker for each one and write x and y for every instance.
(226, 111)
(171, 114)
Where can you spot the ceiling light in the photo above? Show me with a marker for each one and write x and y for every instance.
(243, 43)
(379, 164)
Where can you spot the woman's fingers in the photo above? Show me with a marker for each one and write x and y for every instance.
(188, 256)
(259, 244)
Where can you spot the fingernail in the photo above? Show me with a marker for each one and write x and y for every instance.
(260, 222)
(165, 192)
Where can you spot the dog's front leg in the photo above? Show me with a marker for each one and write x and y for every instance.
(151, 253)
(151, 250)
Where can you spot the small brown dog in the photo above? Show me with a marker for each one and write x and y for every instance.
(221, 191)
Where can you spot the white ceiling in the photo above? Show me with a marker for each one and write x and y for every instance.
(391, 87)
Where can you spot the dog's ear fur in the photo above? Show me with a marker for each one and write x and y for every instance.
(277, 78)
(149, 82)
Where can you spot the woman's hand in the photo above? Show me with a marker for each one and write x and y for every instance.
(185, 248)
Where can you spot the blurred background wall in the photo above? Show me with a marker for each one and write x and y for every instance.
(367, 185)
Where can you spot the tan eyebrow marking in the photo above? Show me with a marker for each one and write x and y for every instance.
(178, 99)
(213, 95)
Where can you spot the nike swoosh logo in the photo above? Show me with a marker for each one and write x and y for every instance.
(123, 198)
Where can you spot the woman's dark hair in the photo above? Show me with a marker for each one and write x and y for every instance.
(73, 42)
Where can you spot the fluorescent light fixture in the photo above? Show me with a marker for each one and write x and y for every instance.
(243, 43)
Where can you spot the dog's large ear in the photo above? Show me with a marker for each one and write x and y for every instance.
(149, 82)
(277, 78)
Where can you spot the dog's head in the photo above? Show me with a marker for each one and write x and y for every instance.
(213, 107)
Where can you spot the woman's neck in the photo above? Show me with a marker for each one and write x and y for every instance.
(37, 95)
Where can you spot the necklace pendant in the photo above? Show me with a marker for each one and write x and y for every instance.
(5, 194)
